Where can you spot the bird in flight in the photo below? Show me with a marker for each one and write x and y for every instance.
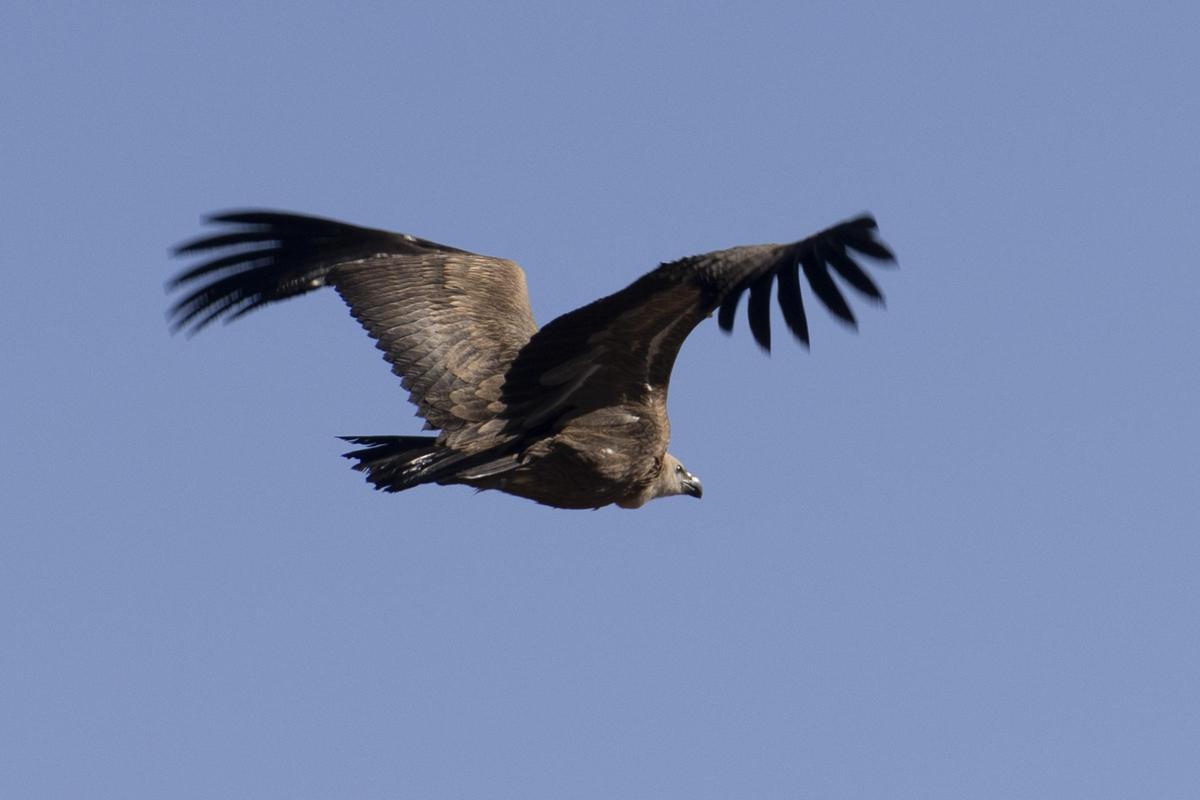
(571, 415)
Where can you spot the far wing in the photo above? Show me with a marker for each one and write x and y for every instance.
(449, 322)
(621, 348)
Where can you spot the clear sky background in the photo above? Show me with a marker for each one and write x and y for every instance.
(956, 554)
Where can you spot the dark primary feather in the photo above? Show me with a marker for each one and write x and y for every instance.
(274, 256)
(791, 303)
(851, 272)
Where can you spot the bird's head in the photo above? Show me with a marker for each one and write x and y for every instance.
(675, 479)
(672, 479)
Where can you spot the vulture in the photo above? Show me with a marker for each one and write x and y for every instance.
(571, 415)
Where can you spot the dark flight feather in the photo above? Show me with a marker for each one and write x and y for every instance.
(792, 303)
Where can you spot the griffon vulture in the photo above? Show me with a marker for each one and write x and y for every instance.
(573, 415)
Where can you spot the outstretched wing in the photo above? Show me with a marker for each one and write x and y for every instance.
(449, 322)
(621, 348)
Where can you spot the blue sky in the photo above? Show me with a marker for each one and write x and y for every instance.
(952, 555)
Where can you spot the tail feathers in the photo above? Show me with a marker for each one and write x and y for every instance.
(396, 463)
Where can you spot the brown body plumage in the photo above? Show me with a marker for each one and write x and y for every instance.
(573, 415)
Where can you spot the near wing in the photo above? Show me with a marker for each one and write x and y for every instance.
(622, 347)
(450, 322)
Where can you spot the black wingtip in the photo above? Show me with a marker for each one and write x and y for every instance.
(728, 312)
(792, 304)
(259, 257)
(825, 289)
(835, 250)
(759, 310)
(834, 254)
(262, 218)
(246, 216)
(860, 235)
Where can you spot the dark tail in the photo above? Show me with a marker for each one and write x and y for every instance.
(395, 463)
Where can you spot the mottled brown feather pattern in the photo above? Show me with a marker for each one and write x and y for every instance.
(446, 323)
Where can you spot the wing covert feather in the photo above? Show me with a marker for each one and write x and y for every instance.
(446, 323)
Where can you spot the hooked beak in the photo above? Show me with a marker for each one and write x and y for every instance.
(691, 486)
